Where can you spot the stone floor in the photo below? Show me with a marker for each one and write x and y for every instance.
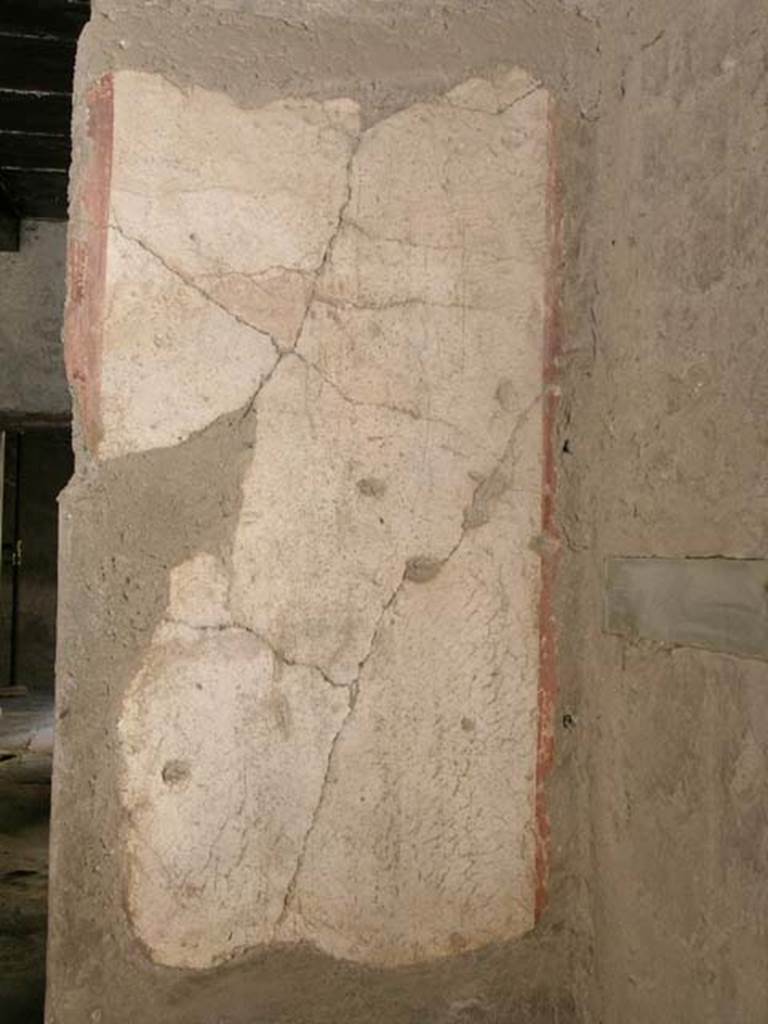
(25, 769)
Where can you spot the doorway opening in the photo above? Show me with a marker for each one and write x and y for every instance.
(36, 464)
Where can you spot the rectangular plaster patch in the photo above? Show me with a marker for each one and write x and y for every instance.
(717, 603)
(364, 681)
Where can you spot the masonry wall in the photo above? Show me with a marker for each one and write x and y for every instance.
(651, 903)
(306, 674)
(666, 449)
(32, 283)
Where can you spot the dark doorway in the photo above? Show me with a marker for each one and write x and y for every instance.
(37, 466)
(37, 463)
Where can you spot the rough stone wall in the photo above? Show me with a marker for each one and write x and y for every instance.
(309, 523)
(32, 283)
(665, 419)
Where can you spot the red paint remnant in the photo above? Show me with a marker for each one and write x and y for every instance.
(87, 261)
(549, 557)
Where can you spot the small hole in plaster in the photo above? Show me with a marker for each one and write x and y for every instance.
(457, 942)
(506, 394)
(421, 568)
(371, 487)
(175, 772)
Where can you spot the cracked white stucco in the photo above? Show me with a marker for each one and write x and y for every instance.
(225, 748)
(218, 217)
(382, 585)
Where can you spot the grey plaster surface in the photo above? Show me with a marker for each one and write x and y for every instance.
(717, 603)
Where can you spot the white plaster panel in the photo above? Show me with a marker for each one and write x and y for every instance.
(423, 846)
(173, 361)
(332, 509)
(383, 580)
(224, 753)
(218, 215)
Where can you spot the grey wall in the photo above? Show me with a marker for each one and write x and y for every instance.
(31, 308)
(667, 434)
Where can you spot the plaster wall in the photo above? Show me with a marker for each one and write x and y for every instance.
(311, 332)
(397, 449)
(665, 423)
(32, 284)
(655, 903)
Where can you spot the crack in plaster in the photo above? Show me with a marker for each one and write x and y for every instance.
(315, 297)
(278, 655)
(292, 662)
(290, 891)
(354, 692)
(396, 304)
(359, 403)
(502, 109)
(392, 240)
(473, 515)
(471, 521)
(494, 484)
(193, 285)
(352, 689)
(332, 239)
(255, 275)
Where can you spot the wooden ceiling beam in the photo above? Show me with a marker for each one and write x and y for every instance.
(28, 149)
(38, 42)
(61, 18)
(37, 64)
(30, 112)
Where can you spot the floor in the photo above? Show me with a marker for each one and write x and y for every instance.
(26, 734)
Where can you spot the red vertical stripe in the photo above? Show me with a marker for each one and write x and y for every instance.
(549, 558)
(87, 261)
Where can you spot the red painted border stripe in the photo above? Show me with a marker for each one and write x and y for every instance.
(87, 261)
(549, 557)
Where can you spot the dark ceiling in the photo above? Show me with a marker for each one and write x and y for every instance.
(38, 39)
